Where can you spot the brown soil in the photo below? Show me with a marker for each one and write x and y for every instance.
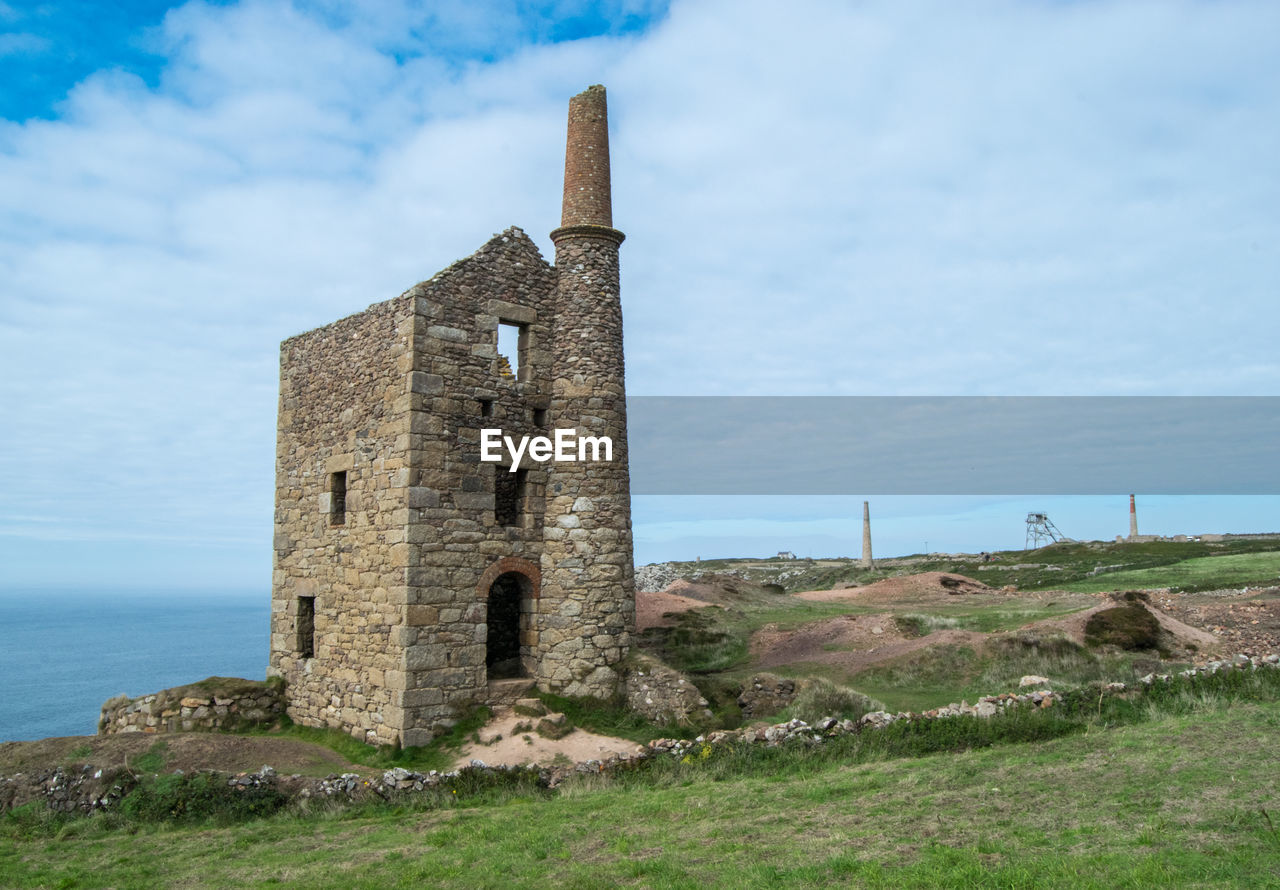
(185, 751)
(652, 609)
(922, 588)
(851, 643)
(848, 642)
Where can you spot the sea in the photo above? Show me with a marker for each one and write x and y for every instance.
(64, 652)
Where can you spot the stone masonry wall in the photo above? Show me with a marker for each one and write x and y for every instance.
(587, 567)
(588, 589)
(344, 407)
(395, 398)
(216, 704)
(456, 538)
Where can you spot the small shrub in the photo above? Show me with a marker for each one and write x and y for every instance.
(820, 698)
(1129, 627)
(915, 624)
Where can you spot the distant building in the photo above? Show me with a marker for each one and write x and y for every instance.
(786, 554)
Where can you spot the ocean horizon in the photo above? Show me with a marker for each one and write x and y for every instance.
(64, 652)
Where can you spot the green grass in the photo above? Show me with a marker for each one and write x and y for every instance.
(941, 675)
(439, 755)
(1201, 573)
(1174, 793)
(154, 760)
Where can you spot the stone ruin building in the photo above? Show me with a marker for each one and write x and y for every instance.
(411, 579)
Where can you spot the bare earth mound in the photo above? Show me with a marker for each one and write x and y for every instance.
(848, 642)
(1189, 638)
(926, 586)
(651, 608)
(185, 751)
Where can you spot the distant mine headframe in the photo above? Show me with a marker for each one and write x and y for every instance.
(1040, 528)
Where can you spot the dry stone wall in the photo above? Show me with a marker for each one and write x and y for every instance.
(218, 704)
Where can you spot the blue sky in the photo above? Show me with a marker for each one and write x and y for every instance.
(876, 198)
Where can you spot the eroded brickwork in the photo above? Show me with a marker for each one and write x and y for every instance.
(393, 538)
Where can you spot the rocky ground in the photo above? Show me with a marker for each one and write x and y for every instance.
(1241, 620)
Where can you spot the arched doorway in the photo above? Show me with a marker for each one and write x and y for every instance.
(509, 606)
(509, 588)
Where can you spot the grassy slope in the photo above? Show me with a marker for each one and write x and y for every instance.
(1200, 573)
(1179, 801)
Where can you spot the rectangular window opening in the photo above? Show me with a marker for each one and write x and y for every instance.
(338, 498)
(508, 495)
(486, 407)
(539, 417)
(306, 626)
(513, 341)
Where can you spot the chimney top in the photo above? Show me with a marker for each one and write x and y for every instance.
(587, 197)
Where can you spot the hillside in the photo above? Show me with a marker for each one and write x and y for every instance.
(1178, 800)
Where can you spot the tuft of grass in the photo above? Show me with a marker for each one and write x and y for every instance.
(918, 624)
(611, 717)
(698, 643)
(154, 759)
(819, 698)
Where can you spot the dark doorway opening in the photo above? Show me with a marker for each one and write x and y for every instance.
(509, 606)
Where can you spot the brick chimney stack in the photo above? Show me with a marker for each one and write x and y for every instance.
(1133, 518)
(587, 198)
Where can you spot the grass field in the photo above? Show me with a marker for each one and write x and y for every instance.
(1183, 799)
(1201, 573)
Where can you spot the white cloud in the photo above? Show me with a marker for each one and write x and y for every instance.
(880, 198)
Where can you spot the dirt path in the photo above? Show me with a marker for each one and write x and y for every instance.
(509, 739)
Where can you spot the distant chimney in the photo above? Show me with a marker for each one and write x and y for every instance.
(866, 535)
(1133, 518)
